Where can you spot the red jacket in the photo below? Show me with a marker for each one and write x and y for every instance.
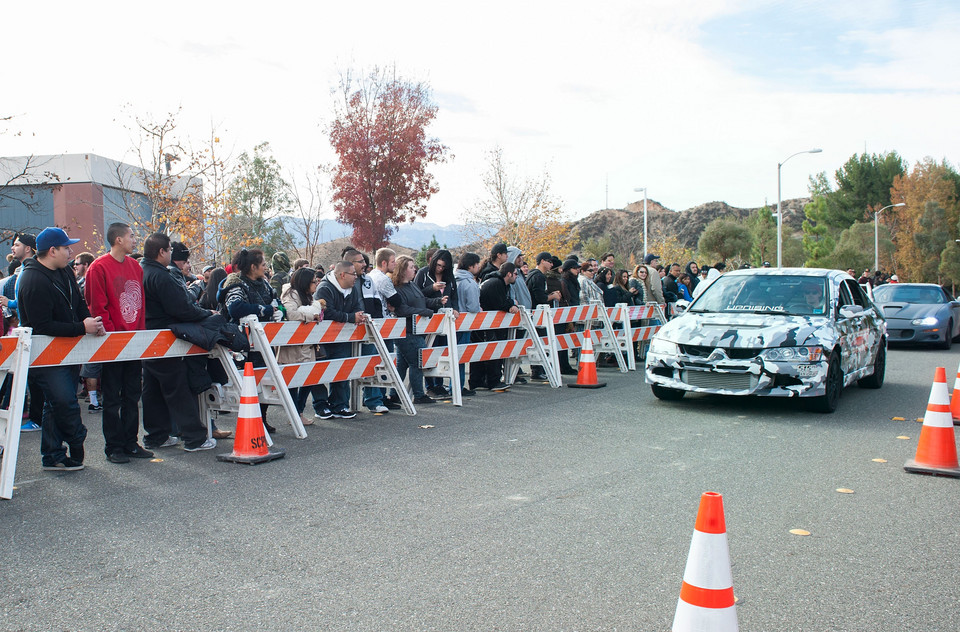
(114, 291)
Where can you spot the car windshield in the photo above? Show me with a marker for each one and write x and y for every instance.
(763, 293)
(895, 293)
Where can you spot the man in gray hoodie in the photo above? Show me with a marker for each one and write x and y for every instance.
(518, 291)
(468, 295)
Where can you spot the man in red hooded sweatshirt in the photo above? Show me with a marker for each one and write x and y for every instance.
(114, 291)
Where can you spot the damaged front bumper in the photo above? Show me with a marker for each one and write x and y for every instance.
(720, 374)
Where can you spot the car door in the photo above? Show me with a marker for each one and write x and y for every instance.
(862, 325)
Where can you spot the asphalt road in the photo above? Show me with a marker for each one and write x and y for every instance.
(536, 509)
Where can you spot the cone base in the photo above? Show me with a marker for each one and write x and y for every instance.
(597, 385)
(919, 468)
(276, 453)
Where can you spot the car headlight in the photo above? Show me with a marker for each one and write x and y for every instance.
(793, 354)
(929, 321)
(664, 347)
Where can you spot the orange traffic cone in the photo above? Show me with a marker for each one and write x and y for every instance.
(955, 400)
(706, 595)
(587, 371)
(250, 444)
(937, 448)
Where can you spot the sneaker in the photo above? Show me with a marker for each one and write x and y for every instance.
(520, 380)
(466, 392)
(379, 409)
(500, 386)
(392, 405)
(306, 421)
(343, 414)
(29, 426)
(222, 434)
(76, 453)
(118, 457)
(326, 414)
(66, 465)
(438, 391)
(94, 407)
(209, 444)
(568, 371)
(138, 452)
(424, 399)
(169, 443)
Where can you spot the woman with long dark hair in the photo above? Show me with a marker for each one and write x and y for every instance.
(621, 287)
(437, 280)
(246, 291)
(412, 303)
(208, 300)
(297, 299)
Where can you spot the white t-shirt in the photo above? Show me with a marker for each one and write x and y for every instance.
(383, 287)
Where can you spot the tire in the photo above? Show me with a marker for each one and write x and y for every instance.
(879, 367)
(666, 394)
(947, 338)
(828, 402)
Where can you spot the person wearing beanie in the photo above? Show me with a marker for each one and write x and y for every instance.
(281, 271)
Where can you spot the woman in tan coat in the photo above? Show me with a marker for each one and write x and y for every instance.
(297, 300)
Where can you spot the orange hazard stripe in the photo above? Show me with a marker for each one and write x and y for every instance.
(249, 399)
(300, 334)
(706, 597)
(345, 370)
(56, 351)
(332, 332)
(937, 448)
(159, 346)
(112, 346)
(288, 372)
(7, 346)
(938, 408)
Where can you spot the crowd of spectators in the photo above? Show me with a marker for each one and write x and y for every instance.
(57, 293)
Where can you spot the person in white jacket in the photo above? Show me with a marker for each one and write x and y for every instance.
(297, 299)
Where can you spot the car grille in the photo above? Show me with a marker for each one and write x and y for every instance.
(697, 351)
(714, 380)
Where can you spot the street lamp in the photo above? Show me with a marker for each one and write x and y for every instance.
(780, 204)
(637, 190)
(876, 235)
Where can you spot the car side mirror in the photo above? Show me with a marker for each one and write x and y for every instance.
(849, 311)
(680, 307)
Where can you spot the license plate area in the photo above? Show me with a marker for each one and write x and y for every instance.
(808, 370)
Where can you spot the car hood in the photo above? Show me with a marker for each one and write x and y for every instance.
(746, 330)
(909, 311)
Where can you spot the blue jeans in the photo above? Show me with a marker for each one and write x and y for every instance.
(61, 412)
(339, 391)
(463, 338)
(372, 395)
(408, 356)
(299, 396)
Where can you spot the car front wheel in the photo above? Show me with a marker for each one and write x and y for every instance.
(879, 367)
(828, 402)
(947, 337)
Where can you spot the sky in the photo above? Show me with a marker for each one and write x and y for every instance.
(697, 100)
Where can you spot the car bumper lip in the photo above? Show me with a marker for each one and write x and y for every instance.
(756, 376)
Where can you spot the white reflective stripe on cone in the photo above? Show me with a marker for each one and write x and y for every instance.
(694, 619)
(708, 564)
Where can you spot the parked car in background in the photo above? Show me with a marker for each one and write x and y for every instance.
(919, 313)
(792, 332)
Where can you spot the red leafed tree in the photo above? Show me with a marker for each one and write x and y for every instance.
(384, 155)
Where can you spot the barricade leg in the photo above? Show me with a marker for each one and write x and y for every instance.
(10, 418)
(261, 344)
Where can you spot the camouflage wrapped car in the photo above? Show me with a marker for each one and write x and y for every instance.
(791, 332)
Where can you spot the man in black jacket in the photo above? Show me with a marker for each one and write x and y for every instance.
(50, 302)
(344, 304)
(494, 297)
(537, 284)
(167, 398)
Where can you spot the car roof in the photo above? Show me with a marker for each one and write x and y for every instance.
(911, 285)
(810, 272)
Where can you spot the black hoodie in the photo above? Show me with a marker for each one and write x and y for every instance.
(50, 301)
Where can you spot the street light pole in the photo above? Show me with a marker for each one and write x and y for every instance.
(876, 235)
(780, 204)
(637, 190)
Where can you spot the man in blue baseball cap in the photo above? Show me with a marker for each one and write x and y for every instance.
(52, 304)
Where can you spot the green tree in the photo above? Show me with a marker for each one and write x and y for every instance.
(855, 248)
(930, 240)
(950, 264)
(863, 182)
(725, 238)
(259, 194)
(422, 258)
(818, 240)
(763, 227)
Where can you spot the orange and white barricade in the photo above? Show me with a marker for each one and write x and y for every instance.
(444, 361)
(628, 335)
(14, 360)
(21, 352)
(597, 324)
(274, 380)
